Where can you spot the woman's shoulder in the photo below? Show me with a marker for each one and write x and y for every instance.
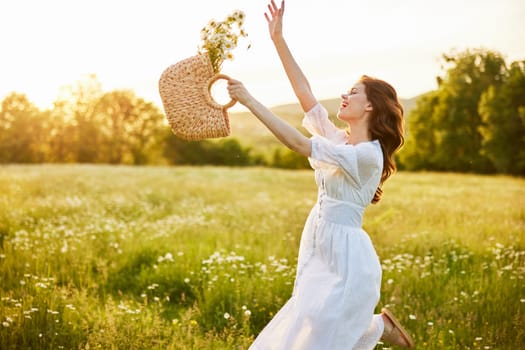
(370, 152)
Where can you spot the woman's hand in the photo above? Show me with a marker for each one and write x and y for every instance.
(238, 92)
(275, 20)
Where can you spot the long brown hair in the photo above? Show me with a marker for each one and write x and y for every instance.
(386, 124)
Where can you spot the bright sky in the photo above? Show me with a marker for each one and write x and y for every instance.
(128, 43)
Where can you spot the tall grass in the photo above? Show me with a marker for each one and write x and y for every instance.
(201, 258)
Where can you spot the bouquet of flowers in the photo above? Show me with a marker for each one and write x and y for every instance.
(220, 38)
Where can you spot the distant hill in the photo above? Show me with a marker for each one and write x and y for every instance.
(250, 132)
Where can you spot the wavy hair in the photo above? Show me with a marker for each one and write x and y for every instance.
(386, 124)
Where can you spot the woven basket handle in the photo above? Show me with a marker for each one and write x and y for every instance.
(213, 80)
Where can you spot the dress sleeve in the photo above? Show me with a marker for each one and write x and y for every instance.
(317, 123)
(360, 163)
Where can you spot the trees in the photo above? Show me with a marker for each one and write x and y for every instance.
(502, 109)
(220, 152)
(75, 129)
(88, 125)
(474, 121)
(459, 127)
(23, 131)
(129, 128)
(85, 125)
(422, 135)
(288, 159)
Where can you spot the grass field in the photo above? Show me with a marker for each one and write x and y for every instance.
(100, 257)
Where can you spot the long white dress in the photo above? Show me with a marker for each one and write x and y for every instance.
(338, 277)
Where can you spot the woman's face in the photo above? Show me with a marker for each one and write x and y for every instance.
(354, 104)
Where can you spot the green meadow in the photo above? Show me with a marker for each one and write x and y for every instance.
(117, 257)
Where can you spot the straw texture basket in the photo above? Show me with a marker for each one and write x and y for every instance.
(191, 111)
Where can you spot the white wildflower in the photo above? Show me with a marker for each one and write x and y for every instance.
(218, 39)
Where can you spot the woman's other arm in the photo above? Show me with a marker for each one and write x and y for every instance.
(287, 134)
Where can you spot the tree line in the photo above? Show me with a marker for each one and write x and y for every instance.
(473, 122)
(88, 125)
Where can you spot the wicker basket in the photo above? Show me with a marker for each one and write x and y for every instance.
(191, 111)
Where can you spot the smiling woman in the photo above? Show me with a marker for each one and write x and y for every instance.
(338, 279)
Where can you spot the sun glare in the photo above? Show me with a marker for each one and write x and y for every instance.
(334, 42)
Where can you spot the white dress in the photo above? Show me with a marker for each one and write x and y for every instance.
(338, 277)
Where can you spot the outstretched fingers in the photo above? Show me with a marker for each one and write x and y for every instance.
(274, 10)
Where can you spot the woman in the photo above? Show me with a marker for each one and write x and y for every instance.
(338, 274)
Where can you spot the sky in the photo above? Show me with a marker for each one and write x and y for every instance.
(46, 45)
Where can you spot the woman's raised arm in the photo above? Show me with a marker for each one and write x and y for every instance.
(295, 75)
